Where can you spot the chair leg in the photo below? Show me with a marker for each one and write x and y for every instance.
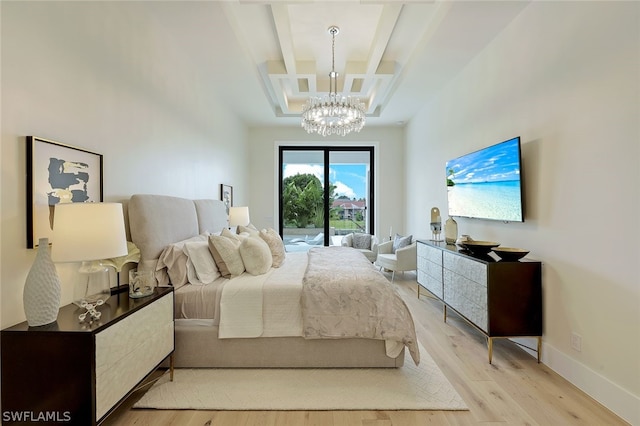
(393, 275)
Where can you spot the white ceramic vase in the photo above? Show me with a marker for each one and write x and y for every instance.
(41, 295)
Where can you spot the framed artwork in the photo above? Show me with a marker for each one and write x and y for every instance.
(57, 173)
(226, 195)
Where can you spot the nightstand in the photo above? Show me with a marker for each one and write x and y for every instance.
(77, 373)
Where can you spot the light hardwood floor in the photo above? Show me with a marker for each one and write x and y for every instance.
(513, 390)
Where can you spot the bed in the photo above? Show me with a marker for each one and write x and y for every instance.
(279, 318)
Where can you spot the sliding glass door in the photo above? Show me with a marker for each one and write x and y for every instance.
(325, 193)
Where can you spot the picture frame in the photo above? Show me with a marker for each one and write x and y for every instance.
(226, 195)
(58, 173)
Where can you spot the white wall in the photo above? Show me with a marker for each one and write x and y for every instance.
(388, 175)
(91, 75)
(565, 77)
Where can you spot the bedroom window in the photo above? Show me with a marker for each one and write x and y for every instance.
(325, 193)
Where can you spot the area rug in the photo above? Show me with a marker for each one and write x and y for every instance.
(411, 387)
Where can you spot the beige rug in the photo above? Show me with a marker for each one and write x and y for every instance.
(408, 388)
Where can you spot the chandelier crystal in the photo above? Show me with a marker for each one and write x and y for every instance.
(333, 114)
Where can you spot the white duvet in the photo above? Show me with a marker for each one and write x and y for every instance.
(265, 305)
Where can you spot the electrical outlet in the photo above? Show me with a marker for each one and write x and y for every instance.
(576, 342)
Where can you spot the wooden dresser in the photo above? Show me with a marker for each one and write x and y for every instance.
(501, 299)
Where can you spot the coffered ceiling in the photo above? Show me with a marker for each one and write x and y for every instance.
(393, 55)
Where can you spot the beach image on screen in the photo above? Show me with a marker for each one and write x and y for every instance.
(486, 183)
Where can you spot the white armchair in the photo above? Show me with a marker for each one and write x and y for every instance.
(365, 243)
(404, 259)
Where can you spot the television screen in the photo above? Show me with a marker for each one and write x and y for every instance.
(487, 184)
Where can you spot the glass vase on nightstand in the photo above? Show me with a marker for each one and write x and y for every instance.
(450, 231)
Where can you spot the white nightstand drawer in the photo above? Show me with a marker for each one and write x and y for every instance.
(127, 351)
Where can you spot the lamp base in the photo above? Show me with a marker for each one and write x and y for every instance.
(93, 283)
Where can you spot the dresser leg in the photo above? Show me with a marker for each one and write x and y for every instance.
(490, 341)
(539, 348)
(171, 367)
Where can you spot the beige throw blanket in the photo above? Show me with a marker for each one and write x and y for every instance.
(345, 296)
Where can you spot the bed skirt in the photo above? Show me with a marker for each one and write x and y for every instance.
(199, 347)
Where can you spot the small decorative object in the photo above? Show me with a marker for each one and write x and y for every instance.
(41, 295)
(510, 254)
(462, 239)
(480, 247)
(132, 256)
(450, 231)
(141, 283)
(436, 224)
(91, 311)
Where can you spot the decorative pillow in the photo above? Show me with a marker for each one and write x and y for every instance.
(347, 240)
(276, 246)
(256, 256)
(362, 241)
(226, 253)
(243, 236)
(175, 259)
(202, 263)
(250, 229)
(226, 232)
(399, 242)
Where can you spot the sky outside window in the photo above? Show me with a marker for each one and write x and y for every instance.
(349, 179)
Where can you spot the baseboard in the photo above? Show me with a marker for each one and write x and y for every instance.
(620, 401)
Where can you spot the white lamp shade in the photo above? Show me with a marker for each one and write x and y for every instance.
(88, 231)
(238, 216)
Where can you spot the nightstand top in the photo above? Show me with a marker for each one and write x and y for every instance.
(118, 306)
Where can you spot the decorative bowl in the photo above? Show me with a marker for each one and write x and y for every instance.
(510, 253)
(480, 247)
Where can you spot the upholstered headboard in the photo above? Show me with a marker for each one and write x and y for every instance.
(155, 221)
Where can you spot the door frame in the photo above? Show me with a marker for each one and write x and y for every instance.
(326, 149)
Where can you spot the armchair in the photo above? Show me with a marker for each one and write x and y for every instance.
(365, 243)
(404, 259)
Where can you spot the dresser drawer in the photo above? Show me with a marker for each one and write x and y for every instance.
(467, 297)
(431, 254)
(468, 268)
(434, 285)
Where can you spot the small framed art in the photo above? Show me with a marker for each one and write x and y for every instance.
(226, 195)
(58, 173)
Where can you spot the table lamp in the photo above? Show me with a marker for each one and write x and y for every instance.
(88, 233)
(238, 216)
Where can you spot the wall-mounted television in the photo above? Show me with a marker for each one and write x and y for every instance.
(487, 184)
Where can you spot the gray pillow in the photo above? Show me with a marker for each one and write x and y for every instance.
(361, 241)
(399, 242)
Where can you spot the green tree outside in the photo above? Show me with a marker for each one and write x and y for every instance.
(303, 201)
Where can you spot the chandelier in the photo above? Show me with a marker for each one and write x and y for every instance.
(333, 114)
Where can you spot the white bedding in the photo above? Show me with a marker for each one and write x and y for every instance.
(265, 305)
(199, 301)
(249, 306)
